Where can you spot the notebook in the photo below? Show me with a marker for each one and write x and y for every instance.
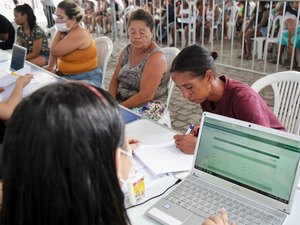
(250, 170)
(9, 76)
(128, 115)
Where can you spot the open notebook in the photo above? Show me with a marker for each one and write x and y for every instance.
(250, 170)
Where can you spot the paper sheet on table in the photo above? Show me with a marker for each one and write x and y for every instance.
(8, 78)
(164, 158)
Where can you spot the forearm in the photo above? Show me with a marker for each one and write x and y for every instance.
(10, 104)
(136, 100)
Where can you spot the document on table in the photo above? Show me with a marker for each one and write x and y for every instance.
(163, 158)
(7, 77)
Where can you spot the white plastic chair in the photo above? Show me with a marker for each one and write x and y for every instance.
(232, 21)
(51, 31)
(272, 39)
(286, 90)
(170, 53)
(192, 20)
(104, 49)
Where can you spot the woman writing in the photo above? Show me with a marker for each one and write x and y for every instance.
(194, 72)
(31, 36)
(140, 77)
(73, 51)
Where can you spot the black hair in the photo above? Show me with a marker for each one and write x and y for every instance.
(59, 159)
(194, 59)
(142, 15)
(71, 9)
(26, 9)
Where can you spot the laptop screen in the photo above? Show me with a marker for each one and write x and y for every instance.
(18, 57)
(260, 161)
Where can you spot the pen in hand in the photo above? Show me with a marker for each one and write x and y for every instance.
(190, 129)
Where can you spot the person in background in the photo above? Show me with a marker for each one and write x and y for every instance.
(261, 27)
(7, 33)
(89, 15)
(31, 36)
(289, 30)
(194, 73)
(53, 177)
(140, 81)
(49, 10)
(73, 53)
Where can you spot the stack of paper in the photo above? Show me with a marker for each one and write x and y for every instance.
(163, 158)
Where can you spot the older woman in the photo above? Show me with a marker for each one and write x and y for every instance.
(73, 51)
(194, 72)
(140, 80)
(31, 36)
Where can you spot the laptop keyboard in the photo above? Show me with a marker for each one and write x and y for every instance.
(204, 202)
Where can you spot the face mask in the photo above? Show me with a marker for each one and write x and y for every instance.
(62, 27)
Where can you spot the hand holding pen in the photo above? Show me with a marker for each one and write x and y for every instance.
(190, 129)
(187, 142)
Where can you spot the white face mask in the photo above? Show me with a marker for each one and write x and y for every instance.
(62, 27)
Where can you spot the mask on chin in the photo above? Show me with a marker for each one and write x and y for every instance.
(62, 27)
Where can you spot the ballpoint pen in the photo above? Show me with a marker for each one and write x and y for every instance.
(15, 74)
(190, 129)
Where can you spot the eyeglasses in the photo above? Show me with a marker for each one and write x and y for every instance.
(140, 33)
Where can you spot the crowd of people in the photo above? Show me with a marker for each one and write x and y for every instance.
(49, 174)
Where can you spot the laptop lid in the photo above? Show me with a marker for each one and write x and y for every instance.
(128, 115)
(18, 57)
(259, 163)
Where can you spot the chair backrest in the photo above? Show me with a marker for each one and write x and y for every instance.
(277, 19)
(51, 31)
(286, 90)
(171, 53)
(104, 49)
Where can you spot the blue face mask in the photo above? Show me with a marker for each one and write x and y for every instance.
(62, 27)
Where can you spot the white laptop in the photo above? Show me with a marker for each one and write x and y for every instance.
(249, 170)
(16, 64)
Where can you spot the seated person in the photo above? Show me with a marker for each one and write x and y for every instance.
(7, 33)
(261, 28)
(194, 72)
(73, 52)
(289, 27)
(89, 18)
(65, 176)
(31, 36)
(101, 14)
(183, 10)
(212, 15)
(140, 80)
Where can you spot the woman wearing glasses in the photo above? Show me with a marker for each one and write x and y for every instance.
(140, 80)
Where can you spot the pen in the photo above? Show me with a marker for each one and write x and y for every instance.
(15, 74)
(190, 129)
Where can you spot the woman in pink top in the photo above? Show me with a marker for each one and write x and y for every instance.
(194, 72)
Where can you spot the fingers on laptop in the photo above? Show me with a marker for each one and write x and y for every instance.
(221, 219)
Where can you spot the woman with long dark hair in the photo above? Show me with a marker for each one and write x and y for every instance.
(63, 159)
(31, 36)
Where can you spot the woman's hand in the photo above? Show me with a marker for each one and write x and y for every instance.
(24, 80)
(185, 142)
(218, 219)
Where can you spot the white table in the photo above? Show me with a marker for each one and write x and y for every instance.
(40, 78)
(150, 132)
